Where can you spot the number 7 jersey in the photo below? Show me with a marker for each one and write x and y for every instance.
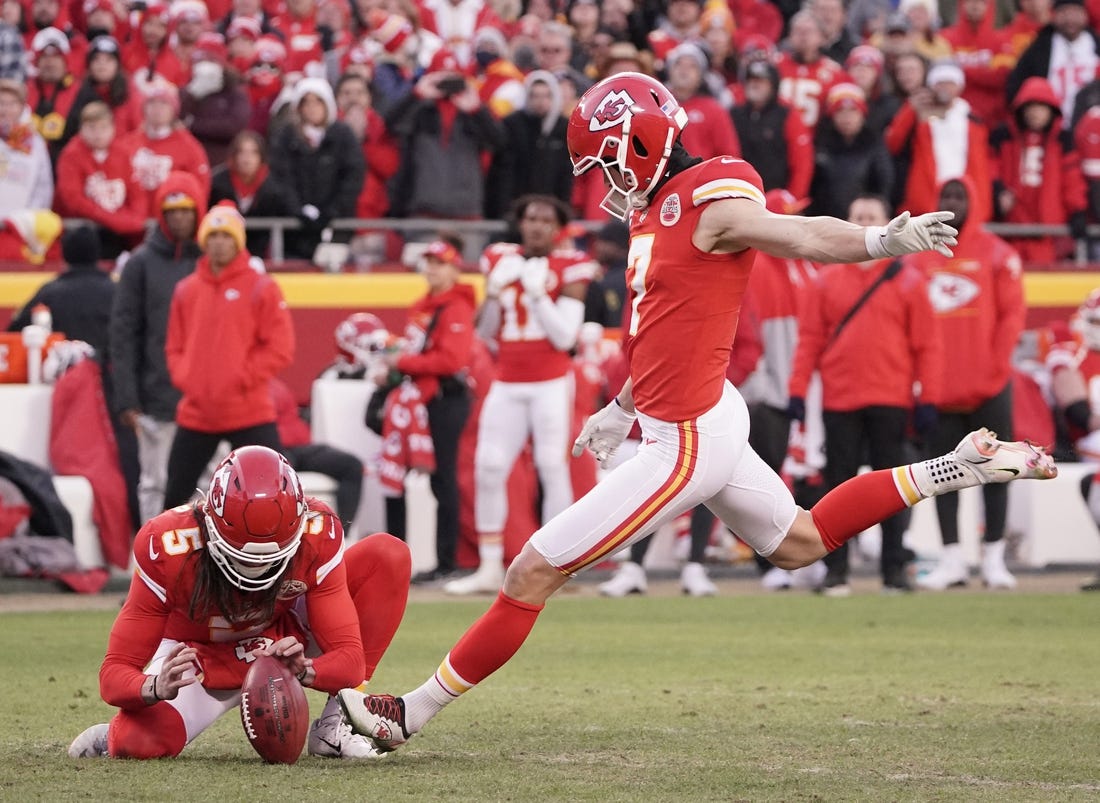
(683, 302)
(525, 352)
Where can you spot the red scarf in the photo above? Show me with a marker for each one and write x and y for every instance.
(406, 438)
(246, 190)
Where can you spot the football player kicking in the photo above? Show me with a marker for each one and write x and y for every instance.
(695, 228)
(255, 567)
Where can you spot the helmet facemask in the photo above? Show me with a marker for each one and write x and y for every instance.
(256, 566)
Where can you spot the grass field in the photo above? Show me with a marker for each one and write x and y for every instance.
(972, 697)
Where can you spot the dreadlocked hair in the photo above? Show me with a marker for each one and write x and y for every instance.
(214, 595)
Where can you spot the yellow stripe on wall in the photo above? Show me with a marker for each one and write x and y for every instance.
(302, 290)
(399, 290)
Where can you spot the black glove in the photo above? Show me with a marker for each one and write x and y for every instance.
(328, 37)
(796, 408)
(1078, 224)
(925, 419)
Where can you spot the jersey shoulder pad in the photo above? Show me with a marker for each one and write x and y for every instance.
(322, 539)
(574, 265)
(163, 546)
(492, 254)
(726, 177)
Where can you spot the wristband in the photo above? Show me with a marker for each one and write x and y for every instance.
(874, 239)
(156, 697)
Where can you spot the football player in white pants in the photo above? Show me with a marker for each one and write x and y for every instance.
(533, 309)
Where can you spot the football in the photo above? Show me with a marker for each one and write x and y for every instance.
(274, 711)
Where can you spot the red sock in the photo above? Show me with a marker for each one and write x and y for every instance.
(493, 639)
(855, 505)
(153, 732)
(379, 568)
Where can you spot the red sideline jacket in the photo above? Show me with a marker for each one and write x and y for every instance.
(446, 349)
(228, 335)
(978, 296)
(82, 443)
(890, 343)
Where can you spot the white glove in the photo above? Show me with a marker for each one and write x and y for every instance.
(604, 431)
(506, 271)
(908, 235)
(535, 274)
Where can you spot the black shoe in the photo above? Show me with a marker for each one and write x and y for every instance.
(895, 580)
(431, 576)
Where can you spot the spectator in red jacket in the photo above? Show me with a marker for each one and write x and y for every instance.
(1036, 180)
(190, 19)
(229, 333)
(95, 181)
(150, 52)
(713, 133)
(355, 107)
(986, 58)
(162, 144)
(50, 94)
(978, 297)
(869, 368)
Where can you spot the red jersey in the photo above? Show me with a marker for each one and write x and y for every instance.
(525, 352)
(804, 86)
(685, 303)
(153, 159)
(167, 553)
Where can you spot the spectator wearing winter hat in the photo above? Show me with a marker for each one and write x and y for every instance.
(298, 27)
(445, 132)
(1067, 51)
(151, 52)
(318, 163)
(107, 82)
(245, 179)
(80, 297)
(50, 94)
(26, 182)
(850, 158)
(680, 23)
(229, 311)
(397, 65)
(162, 144)
(986, 58)
(249, 8)
(944, 141)
(773, 137)
(718, 27)
(214, 105)
(533, 158)
(190, 20)
(95, 181)
(265, 81)
(499, 82)
(240, 43)
(711, 133)
(923, 17)
(101, 18)
(865, 65)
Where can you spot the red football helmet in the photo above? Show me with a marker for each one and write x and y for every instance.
(1088, 320)
(255, 514)
(626, 125)
(360, 335)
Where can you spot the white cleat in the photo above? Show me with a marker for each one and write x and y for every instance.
(694, 581)
(951, 570)
(776, 579)
(629, 579)
(378, 717)
(991, 460)
(92, 743)
(331, 736)
(994, 572)
(808, 577)
(488, 579)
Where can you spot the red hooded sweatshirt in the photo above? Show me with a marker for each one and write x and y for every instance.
(445, 350)
(986, 58)
(100, 189)
(228, 335)
(978, 297)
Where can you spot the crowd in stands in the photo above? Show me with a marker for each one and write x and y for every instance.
(319, 109)
(121, 113)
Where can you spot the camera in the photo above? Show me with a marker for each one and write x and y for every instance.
(451, 85)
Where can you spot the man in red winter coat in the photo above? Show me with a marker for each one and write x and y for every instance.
(229, 333)
(94, 181)
(978, 297)
(986, 58)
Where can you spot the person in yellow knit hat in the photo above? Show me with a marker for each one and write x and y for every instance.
(229, 333)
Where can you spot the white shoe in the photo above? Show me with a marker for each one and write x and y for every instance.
(776, 579)
(629, 579)
(812, 576)
(331, 736)
(379, 717)
(488, 579)
(92, 743)
(989, 460)
(994, 572)
(694, 581)
(951, 570)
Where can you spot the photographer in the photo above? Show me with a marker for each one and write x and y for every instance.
(443, 130)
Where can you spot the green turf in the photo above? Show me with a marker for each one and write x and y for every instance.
(930, 697)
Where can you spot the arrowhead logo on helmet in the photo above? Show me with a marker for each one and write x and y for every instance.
(610, 111)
